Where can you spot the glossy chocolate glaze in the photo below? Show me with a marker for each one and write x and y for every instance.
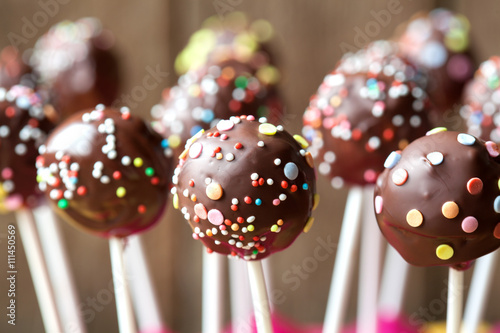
(364, 109)
(438, 43)
(76, 64)
(106, 172)
(24, 126)
(244, 192)
(445, 171)
(201, 98)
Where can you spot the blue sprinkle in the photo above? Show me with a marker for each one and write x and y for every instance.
(73, 180)
(164, 143)
(371, 82)
(291, 170)
(207, 116)
(496, 204)
(466, 139)
(305, 186)
(392, 160)
(476, 118)
(258, 202)
(195, 130)
(23, 102)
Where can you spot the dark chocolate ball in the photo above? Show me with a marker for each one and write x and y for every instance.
(246, 188)
(438, 201)
(24, 126)
(481, 101)
(365, 108)
(76, 64)
(438, 43)
(106, 172)
(201, 98)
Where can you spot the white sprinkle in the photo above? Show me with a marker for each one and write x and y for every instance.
(260, 144)
(74, 167)
(254, 176)
(96, 173)
(105, 179)
(126, 160)
(251, 219)
(20, 149)
(208, 180)
(98, 165)
(235, 201)
(277, 161)
(229, 157)
(270, 181)
(112, 154)
(282, 197)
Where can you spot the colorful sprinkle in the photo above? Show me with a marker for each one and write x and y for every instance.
(392, 160)
(121, 192)
(496, 204)
(291, 171)
(469, 224)
(225, 125)
(149, 172)
(63, 204)
(466, 139)
(267, 129)
(201, 211)
(215, 217)
(496, 231)
(444, 252)
(138, 162)
(436, 158)
(301, 141)
(474, 186)
(195, 150)
(399, 176)
(414, 218)
(450, 209)
(309, 224)
(214, 191)
(379, 204)
(436, 130)
(492, 148)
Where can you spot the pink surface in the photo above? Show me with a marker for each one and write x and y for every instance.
(389, 325)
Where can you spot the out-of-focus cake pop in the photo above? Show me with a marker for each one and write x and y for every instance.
(368, 106)
(246, 188)
(75, 62)
(438, 42)
(13, 69)
(481, 101)
(24, 126)
(201, 98)
(106, 171)
(438, 201)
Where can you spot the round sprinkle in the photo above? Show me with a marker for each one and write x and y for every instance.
(276, 202)
(291, 171)
(435, 158)
(214, 191)
(469, 224)
(149, 172)
(260, 144)
(258, 202)
(225, 125)
(121, 192)
(126, 160)
(301, 141)
(138, 162)
(444, 252)
(496, 204)
(250, 228)
(201, 211)
(63, 204)
(436, 130)
(392, 160)
(229, 157)
(215, 217)
(450, 209)
(414, 218)
(474, 186)
(492, 148)
(267, 129)
(274, 228)
(496, 232)
(254, 176)
(466, 139)
(379, 204)
(399, 176)
(195, 150)
(277, 161)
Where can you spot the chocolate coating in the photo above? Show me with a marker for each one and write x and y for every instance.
(481, 101)
(438, 42)
(365, 108)
(23, 128)
(201, 98)
(247, 189)
(75, 63)
(106, 172)
(438, 201)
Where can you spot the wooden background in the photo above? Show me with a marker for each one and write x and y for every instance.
(151, 33)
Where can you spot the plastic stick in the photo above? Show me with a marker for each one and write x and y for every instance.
(241, 298)
(262, 311)
(455, 300)
(212, 289)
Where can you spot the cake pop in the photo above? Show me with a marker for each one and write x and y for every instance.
(438, 200)
(247, 188)
(201, 98)
(75, 63)
(106, 171)
(438, 43)
(24, 125)
(366, 107)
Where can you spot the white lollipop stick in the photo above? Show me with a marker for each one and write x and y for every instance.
(344, 263)
(262, 310)
(479, 291)
(38, 269)
(241, 299)
(54, 250)
(143, 294)
(455, 300)
(394, 278)
(212, 289)
(124, 310)
(369, 267)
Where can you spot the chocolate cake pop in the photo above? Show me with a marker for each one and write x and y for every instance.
(481, 100)
(202, 98)
(233, 38)
(365, 108)
(76, 64)
(24, 126)
(438, 201)
(438, 42)
(246, 188)
(106, 171)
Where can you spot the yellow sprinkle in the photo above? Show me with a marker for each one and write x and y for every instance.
(436, 130)
(274, 228)
(174, 141)
(414, 218)
(214, 191)
(235, 226)
(209, 233)
(267, 129)
(444, 252)
(309, 224)
(302, 142)
(335, 101)
(121, 191)
(498, 183)
(450, 209)
(183, 155)
(315, 201)
(219, 156)
(251, 227)
(175, 201)
(138, 162)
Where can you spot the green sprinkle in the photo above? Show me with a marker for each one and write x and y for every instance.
(274, 228)
(63, 204)
(255, 251)
(149, 171)
(241, 82)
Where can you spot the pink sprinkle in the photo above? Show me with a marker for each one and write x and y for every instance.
(276, 202)
(370, 176)
(492, 148)
(195, 236)
(251, 118)
(13, 202)
(195, 150)
(201, 211)
(215, 217)
(469, 224)
(379, 204)
(223, 137)
(7, 173)
(459, 67)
